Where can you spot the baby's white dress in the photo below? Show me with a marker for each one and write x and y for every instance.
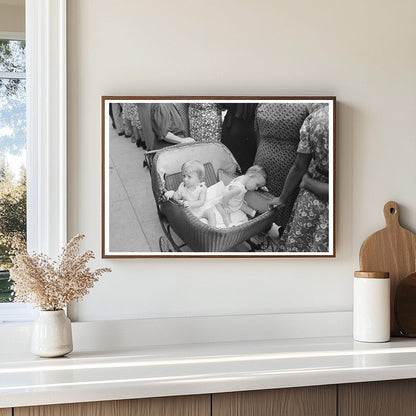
(187, 195)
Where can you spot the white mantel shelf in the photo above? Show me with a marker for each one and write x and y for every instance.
(167, 370)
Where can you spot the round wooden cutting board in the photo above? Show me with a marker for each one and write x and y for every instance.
(392, 250)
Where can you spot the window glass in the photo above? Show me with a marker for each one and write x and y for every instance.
(12, 156)
(12, 56)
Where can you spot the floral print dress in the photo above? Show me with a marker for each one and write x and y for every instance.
(205, 122)
(307, 230)
(130, 112)
(278, 126)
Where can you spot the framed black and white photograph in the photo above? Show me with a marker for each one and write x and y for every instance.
(218, 176)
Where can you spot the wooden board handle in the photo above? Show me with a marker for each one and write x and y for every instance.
(391, 214)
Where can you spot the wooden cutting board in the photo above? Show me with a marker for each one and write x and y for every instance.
(393, 250)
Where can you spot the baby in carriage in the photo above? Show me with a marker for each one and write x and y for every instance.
(192, 191)
(233, 195)
(223, 202)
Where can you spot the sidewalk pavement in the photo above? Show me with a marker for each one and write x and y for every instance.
(134, 224)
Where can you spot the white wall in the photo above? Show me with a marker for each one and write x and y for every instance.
(363, 52)
(12, 17)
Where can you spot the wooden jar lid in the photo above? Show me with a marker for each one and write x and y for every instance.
(372, 275)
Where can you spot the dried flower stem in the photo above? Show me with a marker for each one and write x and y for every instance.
(53, 285)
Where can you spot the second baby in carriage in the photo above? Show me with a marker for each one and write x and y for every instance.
(221, 203)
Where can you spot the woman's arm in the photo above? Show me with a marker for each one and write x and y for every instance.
(293, 178)
(320, 189)
(161, 124)
(171, 138)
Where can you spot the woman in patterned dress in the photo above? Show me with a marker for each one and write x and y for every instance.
(307, 230)
(136, 126)
(205, 122)
(127, 115)
(277, 126)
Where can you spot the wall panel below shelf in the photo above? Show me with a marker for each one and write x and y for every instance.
(300, 401)
(162, 406)
(381, 398)
(5, 412)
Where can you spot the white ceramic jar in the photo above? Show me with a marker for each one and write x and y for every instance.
(371, 309)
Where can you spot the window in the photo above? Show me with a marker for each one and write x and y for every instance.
(12, 154)
(12, 165)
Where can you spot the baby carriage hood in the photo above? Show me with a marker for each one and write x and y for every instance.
(170, 160)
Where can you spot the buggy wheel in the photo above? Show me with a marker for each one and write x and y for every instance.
(164, 245)
(262, 242)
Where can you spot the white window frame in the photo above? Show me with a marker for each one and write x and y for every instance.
(46, 134)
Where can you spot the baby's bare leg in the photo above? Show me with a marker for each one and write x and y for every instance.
(224, 215)
(209, 215)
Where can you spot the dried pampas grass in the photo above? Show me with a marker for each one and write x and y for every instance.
(53, 285)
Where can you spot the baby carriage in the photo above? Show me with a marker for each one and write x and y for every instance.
(219, 164)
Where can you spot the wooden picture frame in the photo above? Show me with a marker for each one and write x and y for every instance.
(151, 145)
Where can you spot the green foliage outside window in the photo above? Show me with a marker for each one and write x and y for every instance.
(12, 145)
(12, 223)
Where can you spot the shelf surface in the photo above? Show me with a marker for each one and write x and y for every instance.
(168, 370)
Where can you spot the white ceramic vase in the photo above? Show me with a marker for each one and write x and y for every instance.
(52, 334)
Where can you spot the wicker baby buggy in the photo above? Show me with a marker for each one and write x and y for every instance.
(219, 164)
